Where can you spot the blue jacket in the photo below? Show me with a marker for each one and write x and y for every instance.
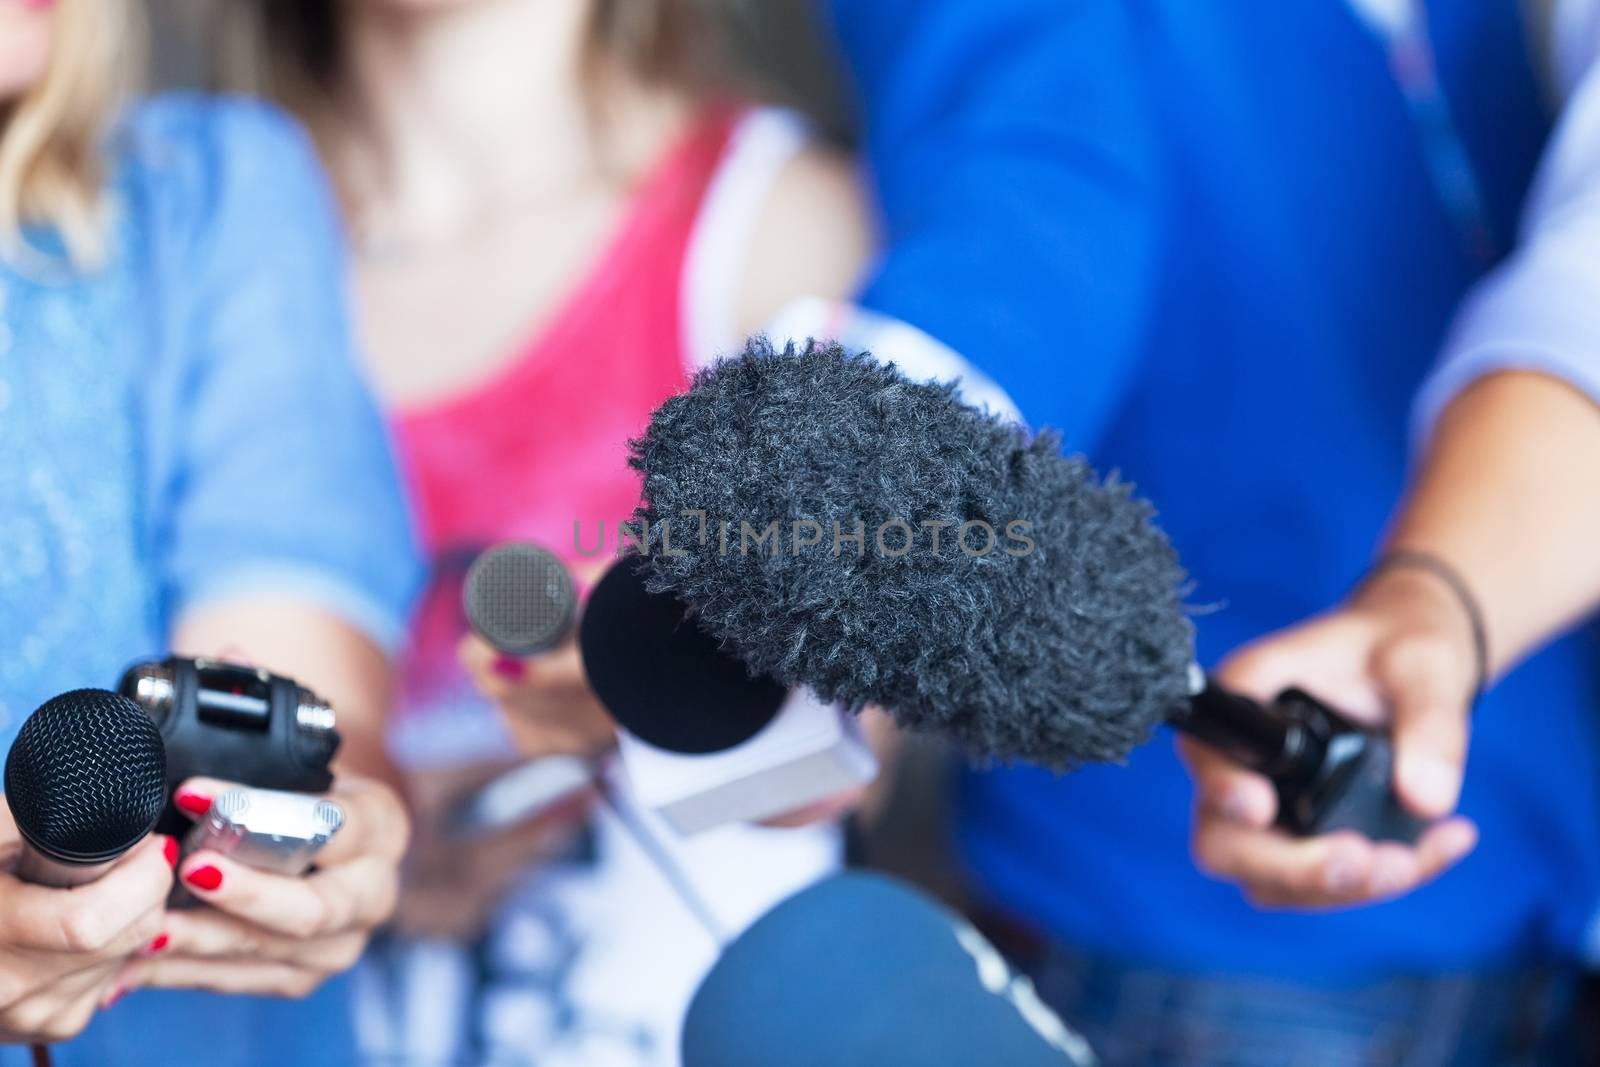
(1202, 240)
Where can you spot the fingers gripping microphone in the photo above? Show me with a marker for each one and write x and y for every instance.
(861, 971)
(86, 782)
(1060, 642)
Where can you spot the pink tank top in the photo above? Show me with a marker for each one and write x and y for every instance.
(543, 445)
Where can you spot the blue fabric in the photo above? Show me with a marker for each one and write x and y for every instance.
(1138, 1017)
(182, 424)
(1227, 285)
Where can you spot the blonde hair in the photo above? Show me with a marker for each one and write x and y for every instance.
(52, 152)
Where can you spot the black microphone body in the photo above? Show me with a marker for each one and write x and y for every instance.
(1330, 773)
(1068, 643)
(233, 721)
(86, 782)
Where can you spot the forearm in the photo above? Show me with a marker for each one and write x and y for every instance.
(1508, 493)
(318, 650)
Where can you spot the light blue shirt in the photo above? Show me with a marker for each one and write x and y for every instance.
(1540, 309)
(184, 424)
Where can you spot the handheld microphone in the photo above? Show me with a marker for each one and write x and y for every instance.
(86, 780)
(706, 741)
(520, 598)
(696, 732)
(1046, 624)
(228, 720)
(859, 971)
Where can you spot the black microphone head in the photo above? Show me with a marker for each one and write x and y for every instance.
(1060, 640)
(519, 597)
(663, 678)
(86, 778)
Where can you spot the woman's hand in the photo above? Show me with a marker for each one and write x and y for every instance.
(272, 934)
(1399, 652)
(545, 700)
(61, 949)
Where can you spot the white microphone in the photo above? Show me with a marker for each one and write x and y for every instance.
(703, 742)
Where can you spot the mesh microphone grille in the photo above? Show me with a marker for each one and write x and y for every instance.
(87, 776)
(519, 597)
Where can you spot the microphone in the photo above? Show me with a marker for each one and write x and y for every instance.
(520, 598)
(704, 739)
(664, 679)
(702, 742)
(86, 782)
(858, 971)
(977, 583)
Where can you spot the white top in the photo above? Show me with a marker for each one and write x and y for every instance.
(1540, 309)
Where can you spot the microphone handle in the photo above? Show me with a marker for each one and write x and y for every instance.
(1330, 772)
(36, 868)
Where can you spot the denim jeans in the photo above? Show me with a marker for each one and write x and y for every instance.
(1143, 1017)
(160, 1028)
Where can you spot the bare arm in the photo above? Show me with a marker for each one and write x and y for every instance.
(1509, 494)
(318, 650)
(266, 933)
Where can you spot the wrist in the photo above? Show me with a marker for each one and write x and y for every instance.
(1424, 591)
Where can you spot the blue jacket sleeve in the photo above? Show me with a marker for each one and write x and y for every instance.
(1013, 152)
(273, 472)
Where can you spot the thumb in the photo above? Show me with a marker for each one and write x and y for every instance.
(1428, 686)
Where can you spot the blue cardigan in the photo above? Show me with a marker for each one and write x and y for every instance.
(1202, 240)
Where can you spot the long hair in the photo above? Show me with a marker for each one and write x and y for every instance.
(294, 51)
(52, 150)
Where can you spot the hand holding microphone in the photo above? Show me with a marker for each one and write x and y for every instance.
(85, 783)
(980, 585)
(1398, 653)
(275, 934)
(705, 741)
(522, 604)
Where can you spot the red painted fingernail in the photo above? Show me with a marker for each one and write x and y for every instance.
(170, 850)
(509, 668)
(158, 945)
(207, 878)
(191, 801)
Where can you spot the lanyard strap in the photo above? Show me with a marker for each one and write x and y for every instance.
(1401, 27)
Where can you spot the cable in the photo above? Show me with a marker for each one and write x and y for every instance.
(659, 856)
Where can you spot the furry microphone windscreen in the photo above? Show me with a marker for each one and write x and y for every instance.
(841, 526)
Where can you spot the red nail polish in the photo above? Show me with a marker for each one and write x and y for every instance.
(169, 849)
(158, 945)
(192, 802)
(207, 878)
(509, 668)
